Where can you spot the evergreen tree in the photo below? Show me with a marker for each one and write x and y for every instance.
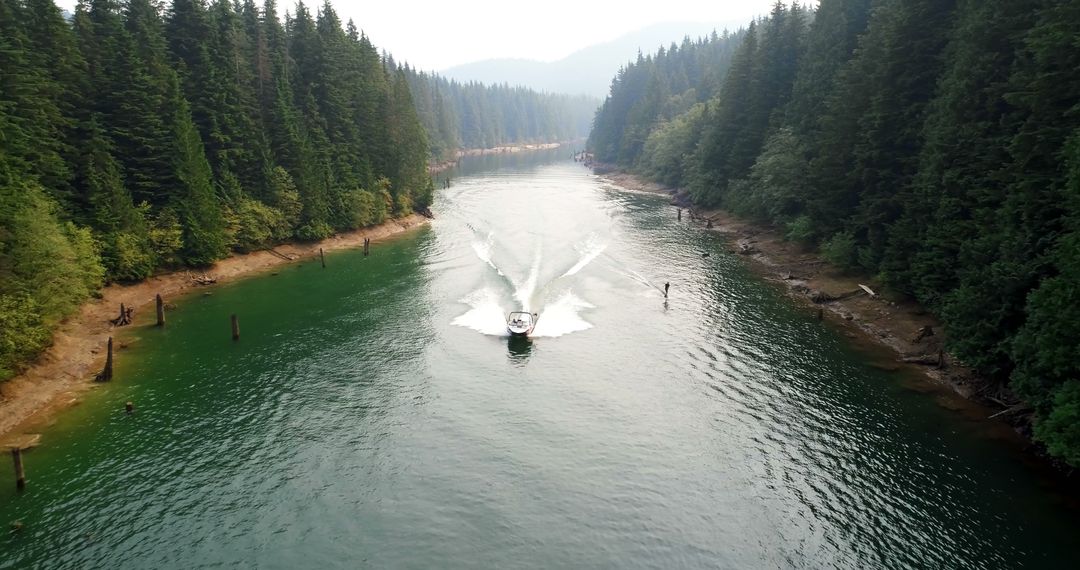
(195, 200)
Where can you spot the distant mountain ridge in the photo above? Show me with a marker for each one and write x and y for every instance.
(588, 71)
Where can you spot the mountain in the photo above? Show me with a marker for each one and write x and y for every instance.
(587, 71)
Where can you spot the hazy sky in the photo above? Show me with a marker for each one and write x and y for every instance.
(435, 34)
(440, 34)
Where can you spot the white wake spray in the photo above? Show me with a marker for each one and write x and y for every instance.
(589, 251)
(563, 317)
(485, 315)
(483, 251)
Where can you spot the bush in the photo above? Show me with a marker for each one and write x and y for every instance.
(403, 205)
(801, 229)
(47, 269)
(128, 256)
(314, 231)
(256, 225)
(1060, 430)
(23, 333)
(840, 250)
(364, 209)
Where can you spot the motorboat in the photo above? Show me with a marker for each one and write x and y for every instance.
(521, 323)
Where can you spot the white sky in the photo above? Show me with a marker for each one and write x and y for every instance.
(436, 34)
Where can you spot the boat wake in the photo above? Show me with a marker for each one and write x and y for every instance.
(563, 316)
(525, 290)
(483, 251)
(590, 250)
(485, 314)
(487, 308)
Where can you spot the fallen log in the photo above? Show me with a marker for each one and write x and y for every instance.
(924, 359)
(279, 255)
(203, 279)
(848, 295)
(1010, 411)
(924, 332)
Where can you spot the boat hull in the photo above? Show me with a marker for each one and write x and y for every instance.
(520, 323)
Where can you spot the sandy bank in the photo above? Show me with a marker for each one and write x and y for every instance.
(67, 368)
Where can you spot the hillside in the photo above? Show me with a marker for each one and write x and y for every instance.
(587, 71)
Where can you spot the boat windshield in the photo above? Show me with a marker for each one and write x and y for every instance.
(520, 318)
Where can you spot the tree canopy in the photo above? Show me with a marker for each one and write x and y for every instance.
(931, 142)
(136, 137)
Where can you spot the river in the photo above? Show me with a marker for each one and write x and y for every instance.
(374, 414)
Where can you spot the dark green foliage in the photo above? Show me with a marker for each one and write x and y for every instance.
(133, 139)
(200, 210)
(655, 112)
(1060, 428)
(757, 87)
(926, 141)
(47, 268)
(472, 115)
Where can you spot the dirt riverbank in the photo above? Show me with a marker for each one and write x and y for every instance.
(913, 337)
(67, 368)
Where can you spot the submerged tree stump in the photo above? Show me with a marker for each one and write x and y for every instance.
(125, 316)
(107, 373)
(20, 472)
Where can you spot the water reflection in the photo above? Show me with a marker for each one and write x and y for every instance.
(519, 348)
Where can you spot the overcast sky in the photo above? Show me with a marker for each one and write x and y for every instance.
(436, 34)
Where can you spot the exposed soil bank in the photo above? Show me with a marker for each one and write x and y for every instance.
(913, 337)
(67, 368)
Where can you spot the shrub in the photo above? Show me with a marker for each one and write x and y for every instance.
(840, 250)
(800, 229)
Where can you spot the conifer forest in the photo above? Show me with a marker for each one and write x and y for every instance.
(137, 137)
(932, 143)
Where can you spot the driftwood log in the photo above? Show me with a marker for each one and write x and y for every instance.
(924, 332)
(280, 255)
(926, 359)
(202, 279)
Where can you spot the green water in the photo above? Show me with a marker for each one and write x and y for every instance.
(373, 414)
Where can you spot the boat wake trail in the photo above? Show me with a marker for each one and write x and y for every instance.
(634, 275)
(483, 251)
(524, 291)
(590, 250)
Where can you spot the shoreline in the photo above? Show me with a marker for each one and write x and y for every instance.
(66, 369)
(445, 165)
(912, 338)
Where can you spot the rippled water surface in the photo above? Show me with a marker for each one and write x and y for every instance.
(374, 414)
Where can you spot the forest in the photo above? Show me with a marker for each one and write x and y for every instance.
(137, 138)
(932, 143)
(473, 115)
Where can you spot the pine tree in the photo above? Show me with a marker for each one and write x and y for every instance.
(194, 198)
